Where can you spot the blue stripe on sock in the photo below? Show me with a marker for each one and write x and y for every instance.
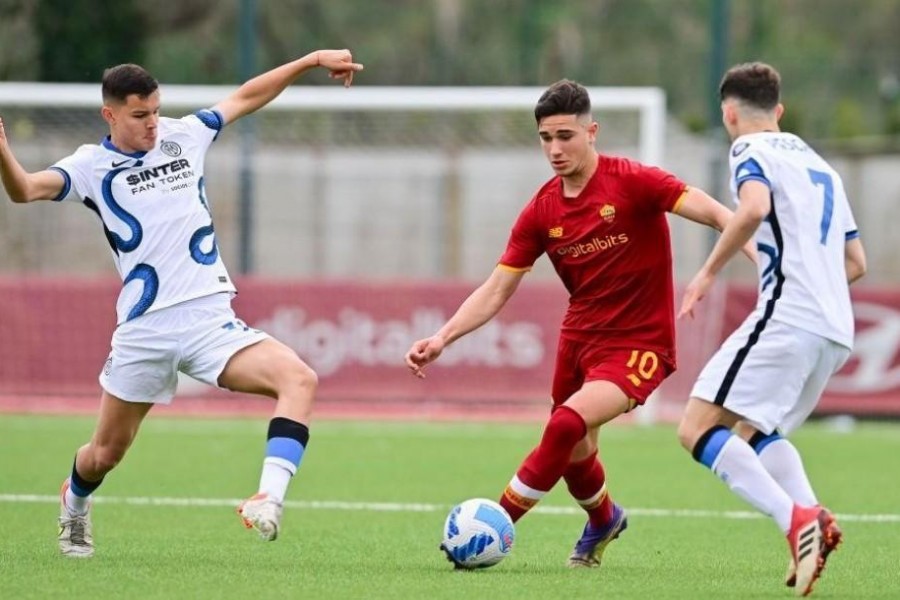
(286, 448)
(713, 446)
(763, 442)
(81, 493)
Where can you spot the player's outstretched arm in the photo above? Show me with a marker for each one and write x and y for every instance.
(698, 206)
(479, 308)
(264, 88)
(755, 204)
(854, 260)
(21, 185)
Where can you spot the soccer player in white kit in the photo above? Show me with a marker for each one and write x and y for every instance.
(145, 183)
(768, 375)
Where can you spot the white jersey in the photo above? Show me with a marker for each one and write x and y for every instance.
(803, 280)
(154, 213)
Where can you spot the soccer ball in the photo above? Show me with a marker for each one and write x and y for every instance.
(478, 533)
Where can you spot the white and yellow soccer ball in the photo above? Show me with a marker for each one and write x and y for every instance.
(478, 533)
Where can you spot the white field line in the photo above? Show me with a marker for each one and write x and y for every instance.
(417, 507)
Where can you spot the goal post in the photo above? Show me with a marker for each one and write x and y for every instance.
(649, 102)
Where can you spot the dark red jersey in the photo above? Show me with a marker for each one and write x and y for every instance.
(610, 246)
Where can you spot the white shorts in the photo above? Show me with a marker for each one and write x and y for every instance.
(196, 337)
(774, 379)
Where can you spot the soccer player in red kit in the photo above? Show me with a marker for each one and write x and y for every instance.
(602, 222)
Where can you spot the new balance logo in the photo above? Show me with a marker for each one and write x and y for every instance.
(555, 232)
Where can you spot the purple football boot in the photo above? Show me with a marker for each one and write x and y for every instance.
(589, 550)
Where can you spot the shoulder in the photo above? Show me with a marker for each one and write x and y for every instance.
(741, 146)
(620, 166)
(540, 205)
(548, 193)
(88, 150)
(207, 118)
(765, 144)
(628, 170)
(636, 178)
(750, 149)
(169, 124)
(84, 156)
(751, 158)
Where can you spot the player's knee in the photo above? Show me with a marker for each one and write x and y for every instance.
(688, 433)
(298, 378)
(565, 423)
(698, 418)
(305, 377)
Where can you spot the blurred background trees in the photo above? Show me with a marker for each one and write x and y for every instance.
(840, 59)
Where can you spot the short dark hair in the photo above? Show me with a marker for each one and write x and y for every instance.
(121, 81)
(756, 83)
(564, 97)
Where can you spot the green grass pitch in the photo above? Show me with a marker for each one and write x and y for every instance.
(366, 510)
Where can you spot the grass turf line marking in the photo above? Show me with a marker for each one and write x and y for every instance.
(420, 507)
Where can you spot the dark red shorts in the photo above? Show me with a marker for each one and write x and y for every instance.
(636, 371)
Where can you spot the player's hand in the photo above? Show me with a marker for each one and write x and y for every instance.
(339, 63)
(422, 353)
(695, 292)
(2, 132)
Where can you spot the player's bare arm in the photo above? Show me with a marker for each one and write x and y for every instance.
(854, 260)
(698, 206)
(754, 206)
(479, 308)
(264, 88)
(22, 186)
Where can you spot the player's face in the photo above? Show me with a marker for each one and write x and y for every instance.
(133, 123)
(568, 142)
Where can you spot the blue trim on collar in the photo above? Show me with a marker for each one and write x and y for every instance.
(107, 143)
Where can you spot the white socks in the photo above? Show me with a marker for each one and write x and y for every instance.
(275, 478)
(742, 470)
(76, 506)
(782, 461)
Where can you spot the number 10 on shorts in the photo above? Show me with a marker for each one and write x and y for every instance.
(644, 365)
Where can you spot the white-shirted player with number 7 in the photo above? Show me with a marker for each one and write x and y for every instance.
(768, 375)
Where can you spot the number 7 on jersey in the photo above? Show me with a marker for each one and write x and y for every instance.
(824, 179)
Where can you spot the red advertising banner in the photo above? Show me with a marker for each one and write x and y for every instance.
(56, 332)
